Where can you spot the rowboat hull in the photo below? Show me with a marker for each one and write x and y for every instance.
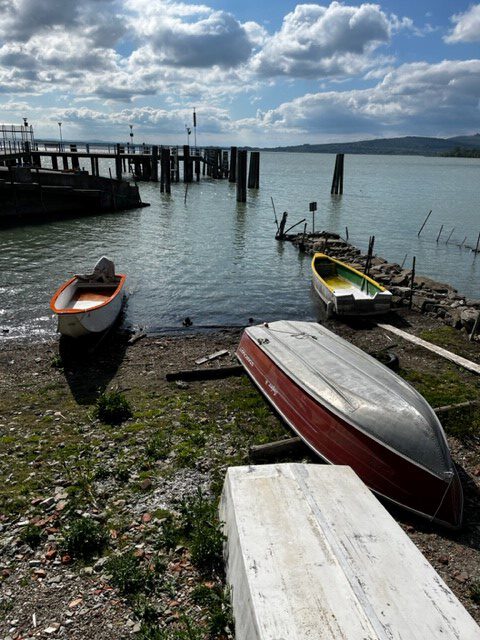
(99, 312)
(338, 440)
(352, 295)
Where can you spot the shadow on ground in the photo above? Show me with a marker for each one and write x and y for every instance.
(91, 363)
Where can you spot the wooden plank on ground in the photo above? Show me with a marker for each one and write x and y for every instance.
(461, 362)
(311, 553)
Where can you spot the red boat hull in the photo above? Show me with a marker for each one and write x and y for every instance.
(338, 441)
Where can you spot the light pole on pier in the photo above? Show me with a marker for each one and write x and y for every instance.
(61, 139)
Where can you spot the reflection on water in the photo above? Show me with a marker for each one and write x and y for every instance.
(217, 261)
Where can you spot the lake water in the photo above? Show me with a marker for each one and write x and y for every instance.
(217, 262)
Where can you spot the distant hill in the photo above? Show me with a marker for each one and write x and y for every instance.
(409, 145)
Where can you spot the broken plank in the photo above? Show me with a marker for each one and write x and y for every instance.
(212, 356)
(448, 355)
(205, 374)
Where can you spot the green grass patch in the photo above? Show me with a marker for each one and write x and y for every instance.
(84, 538)
(112, 408)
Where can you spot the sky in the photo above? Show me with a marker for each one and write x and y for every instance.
(257, 72)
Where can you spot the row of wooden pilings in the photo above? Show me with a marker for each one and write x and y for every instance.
(215, 163)
(144, 165)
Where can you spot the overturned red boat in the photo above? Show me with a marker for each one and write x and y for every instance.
(352, 410)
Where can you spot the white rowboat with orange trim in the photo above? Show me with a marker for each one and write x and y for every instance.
(89, 304)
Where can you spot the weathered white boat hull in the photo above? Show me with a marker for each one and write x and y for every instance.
(311, 553)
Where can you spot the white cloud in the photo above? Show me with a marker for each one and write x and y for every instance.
(415, 98)
(467, 26)
(215, 38)
(319, 41)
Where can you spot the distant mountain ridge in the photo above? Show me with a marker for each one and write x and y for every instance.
(408, 145)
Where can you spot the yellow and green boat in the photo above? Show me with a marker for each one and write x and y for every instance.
(346, 291)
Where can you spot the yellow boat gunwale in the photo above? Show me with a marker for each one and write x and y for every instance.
(343, 264)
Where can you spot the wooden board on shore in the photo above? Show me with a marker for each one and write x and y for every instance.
(448, 355)
(311, 553)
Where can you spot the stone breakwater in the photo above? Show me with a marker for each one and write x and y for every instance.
(429, 297)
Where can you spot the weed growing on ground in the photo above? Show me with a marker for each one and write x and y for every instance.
(475, 591)
(131, 578)
(200, 527)
(217, 600)
(84, 538)
(112, 408)
(31, 535)
(159, 445)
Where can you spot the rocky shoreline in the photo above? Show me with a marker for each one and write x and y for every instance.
(435, 299)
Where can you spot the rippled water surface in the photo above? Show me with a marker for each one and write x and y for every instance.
(217, 262)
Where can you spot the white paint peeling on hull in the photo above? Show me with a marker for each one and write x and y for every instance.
(312, 554)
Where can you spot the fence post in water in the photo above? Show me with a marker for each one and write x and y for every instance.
(337, 182)
(439, 233)
(450, 235)
(224, 164)
(242, 175)
(254, 170)
(410, 302)
(425, 222)
(154, 163)
(232, 176)
(476, 246)
(165, 171)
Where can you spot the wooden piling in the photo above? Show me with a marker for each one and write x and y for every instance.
(232, 176)
(242, 175)
(254, 170)
(54, 162)
(280, 235)
(165, 171)
(224, 164)
(154, 164)
(337, 182)
(187, 165)
(118, 163)
(439, 233)
(451, 232)
(478, 243)
(92, 165)
(65, 162)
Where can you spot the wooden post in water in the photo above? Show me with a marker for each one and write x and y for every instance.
(65, 162)
(154, 164)
(254, 170)
(54, 162)
(165, 173)
(92, 165)
(451, 232)
(242, 175)
(439, 233)
(118, 163)
(187, 164)
(425, 222)
(478, 243)
(337, 182)
(224, 164)
(280, 235)
(97, 170)
(197, 166)
(232, 176)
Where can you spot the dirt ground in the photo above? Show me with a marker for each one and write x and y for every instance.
(54, 451)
